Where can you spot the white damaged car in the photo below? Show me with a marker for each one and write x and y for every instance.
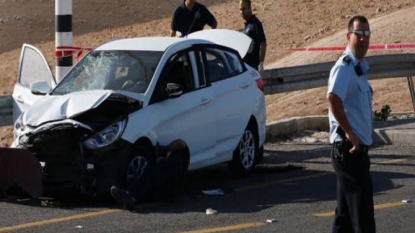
(99, 125)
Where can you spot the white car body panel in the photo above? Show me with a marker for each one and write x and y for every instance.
(232, 113)
(32, 67)
(228, 38)
(54, 108)
(199, 130)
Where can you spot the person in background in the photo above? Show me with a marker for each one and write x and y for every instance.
(350, 116)
(191, 16)
(253, 28)
(162, 180)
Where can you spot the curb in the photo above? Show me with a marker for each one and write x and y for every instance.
(292, 125)
(386, 132)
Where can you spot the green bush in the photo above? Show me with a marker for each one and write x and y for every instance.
(383, 114)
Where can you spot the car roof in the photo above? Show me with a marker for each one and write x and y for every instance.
(148, 43)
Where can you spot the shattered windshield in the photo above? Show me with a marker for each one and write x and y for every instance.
(111, 70)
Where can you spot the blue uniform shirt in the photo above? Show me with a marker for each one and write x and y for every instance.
(356, 95)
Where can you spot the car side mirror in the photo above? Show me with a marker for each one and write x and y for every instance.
(40, 88)
(174, 90)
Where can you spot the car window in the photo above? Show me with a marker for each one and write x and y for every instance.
(111, 70)
(178, 71)
(222, 64)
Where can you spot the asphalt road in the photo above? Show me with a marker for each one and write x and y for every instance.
(295, 186)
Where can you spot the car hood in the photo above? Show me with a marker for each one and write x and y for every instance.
(58, 107)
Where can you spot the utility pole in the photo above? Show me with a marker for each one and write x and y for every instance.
(63, 35)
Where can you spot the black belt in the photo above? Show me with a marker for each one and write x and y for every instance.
(362, 148)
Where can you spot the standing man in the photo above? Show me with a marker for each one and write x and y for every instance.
(350, 114)
(191, 16)
(253, 28)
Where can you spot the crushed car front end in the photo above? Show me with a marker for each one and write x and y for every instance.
(84, 153)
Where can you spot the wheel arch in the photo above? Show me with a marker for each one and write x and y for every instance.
(144, 141)
(254, 124)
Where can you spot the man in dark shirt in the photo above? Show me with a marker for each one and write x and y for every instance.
(253, 28)
(191, 16)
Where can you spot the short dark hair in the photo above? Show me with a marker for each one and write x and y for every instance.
(359, 18)
(247, 2)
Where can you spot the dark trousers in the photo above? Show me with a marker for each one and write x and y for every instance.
(354, 212)
(162, 180)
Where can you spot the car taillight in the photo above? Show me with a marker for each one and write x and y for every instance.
(260, 84)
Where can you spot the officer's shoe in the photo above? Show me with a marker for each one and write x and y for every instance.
(123, 197)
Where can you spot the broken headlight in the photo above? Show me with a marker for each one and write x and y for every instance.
(18, 126)
(106, 136)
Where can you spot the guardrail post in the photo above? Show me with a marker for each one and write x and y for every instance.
(411, 90)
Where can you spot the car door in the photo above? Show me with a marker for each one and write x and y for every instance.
(33, 67)
(235, 96)
(191, 116)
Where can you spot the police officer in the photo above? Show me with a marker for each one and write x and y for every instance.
(191, 16)
(162, 180)
(253, 28)
(350, 114)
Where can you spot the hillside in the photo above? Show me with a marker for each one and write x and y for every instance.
(287, 24)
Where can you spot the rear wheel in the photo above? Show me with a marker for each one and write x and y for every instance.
(244, 156)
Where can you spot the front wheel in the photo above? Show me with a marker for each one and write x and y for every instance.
(244, 156)
(140, 159)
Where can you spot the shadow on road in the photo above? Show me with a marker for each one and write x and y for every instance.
(279, 180)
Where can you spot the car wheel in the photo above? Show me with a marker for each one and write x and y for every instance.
(244, 156)
(137, 164)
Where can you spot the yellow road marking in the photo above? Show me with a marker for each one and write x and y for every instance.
(377, 207)
(56, 220)
(228, 228)
(235, 227)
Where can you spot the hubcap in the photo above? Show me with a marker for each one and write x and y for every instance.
(247, 149)
(136, 169)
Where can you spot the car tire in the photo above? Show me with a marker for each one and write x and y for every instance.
(137, 162)
(245, 154)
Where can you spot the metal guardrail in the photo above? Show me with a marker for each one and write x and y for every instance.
(6, 110)
(316, 75)
(300, 78)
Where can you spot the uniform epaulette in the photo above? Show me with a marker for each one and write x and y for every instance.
(347, 59)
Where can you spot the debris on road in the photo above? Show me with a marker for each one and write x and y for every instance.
(211, 192)
(210, 211)
(272, 220)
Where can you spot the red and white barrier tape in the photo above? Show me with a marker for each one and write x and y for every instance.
(371, 47)
(68, 51)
